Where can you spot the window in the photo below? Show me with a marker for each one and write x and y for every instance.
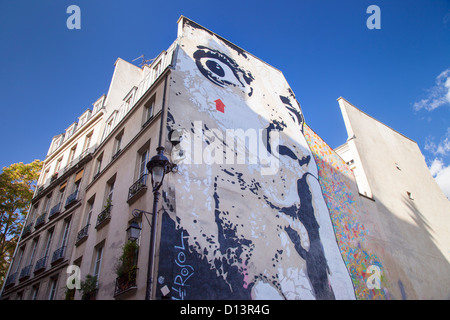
(70, 130)
(98, 262)
(109, 125)
(33, 251)
(87, 141)
(71, 155)
(157, 69)
(58, 165)
(149, 109)
(129, 99)
(45, 176)
(98, 165)
(110, 194)
(143, 159)
(65, 233)
(62, 190)
(52, 289)
(90, 207)
(57, 142)
(117, 145)
(49, 242)
(19, 262)
(34, 292)
(32, 214)
(48, 201)
(98, 104)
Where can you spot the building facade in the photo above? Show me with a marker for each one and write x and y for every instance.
(259, 206)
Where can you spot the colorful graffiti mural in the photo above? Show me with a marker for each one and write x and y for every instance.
(341, 195)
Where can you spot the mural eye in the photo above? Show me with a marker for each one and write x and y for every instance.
(219, 68)
(215, 67)
(219, 72)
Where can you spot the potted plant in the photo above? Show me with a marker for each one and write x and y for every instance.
(89, 287)
(69, 294)
(126, 267)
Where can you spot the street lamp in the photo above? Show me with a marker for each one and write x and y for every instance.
(158, 166)
(133, 231)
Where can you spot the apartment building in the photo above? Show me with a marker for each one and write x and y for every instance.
(259, 206)
(70, 213)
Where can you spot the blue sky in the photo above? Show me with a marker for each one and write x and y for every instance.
(398, 74)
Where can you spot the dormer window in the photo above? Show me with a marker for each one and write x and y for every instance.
(84, 118)
(157, 70)
(129, 99)
(70, 130)
(98, 104)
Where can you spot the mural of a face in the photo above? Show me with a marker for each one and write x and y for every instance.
(245, 233)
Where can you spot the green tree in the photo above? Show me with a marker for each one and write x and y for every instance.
(17, 184)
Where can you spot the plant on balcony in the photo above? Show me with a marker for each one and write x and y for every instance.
(126, 267)
(69, 294)
(127, 261)
(108, 204)
(89, 287)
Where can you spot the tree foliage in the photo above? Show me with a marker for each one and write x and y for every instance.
(17, 184)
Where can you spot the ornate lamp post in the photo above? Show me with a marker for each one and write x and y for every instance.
(158, 166)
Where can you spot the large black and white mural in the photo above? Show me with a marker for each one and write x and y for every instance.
(244, 217)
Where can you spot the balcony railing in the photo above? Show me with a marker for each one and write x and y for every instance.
(40, 264)
(137, 188)
(103, 217)
(27, 229)
(55, 210)
(126, 282)
(25, 272)
(40, 220)
(58, 255)
(82, 234)
(71, 198)
(11, 280)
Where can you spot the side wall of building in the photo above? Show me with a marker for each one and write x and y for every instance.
(408, 219)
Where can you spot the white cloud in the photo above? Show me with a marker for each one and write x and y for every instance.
(440, 149)
(441, 174)
(438, 95)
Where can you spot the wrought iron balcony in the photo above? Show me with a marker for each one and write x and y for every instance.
(82, 235)
(55, 210)
(137, 188)
(126, 282)
(40, 220)
(11, 280)
(71, 199)
(103, 217)
(25, 272)
(58, 255)
(40, 264)
(27, 229)
(115, 155)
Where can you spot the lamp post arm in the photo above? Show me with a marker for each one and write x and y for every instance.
(137, 213)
